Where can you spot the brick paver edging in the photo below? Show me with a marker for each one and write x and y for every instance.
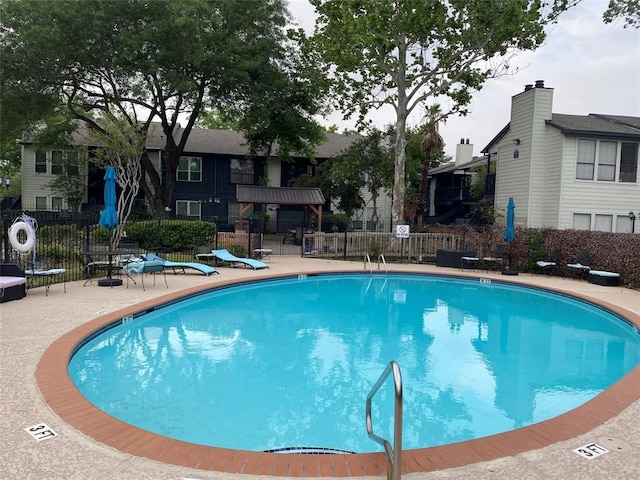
(66, 401)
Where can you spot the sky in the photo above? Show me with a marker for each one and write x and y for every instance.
(593, 67)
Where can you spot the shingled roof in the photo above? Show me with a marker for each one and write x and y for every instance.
(279, 195)
(228, 142)
(596, 124)
(217, 141)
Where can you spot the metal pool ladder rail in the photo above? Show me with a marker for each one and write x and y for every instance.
(367, 262)
(394, 455)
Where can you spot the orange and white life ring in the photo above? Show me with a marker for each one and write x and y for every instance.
(29, 242)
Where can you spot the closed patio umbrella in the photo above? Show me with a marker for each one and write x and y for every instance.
(109, 219)
(109, 216)
(510, 234)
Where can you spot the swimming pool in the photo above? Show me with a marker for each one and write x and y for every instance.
(349, 327)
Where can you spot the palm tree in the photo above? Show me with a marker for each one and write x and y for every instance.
(432, 143)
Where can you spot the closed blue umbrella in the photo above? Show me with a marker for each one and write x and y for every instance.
(109, 216)
(510, 230)
(510, 235)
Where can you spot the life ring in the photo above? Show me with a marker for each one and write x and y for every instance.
(28, 244)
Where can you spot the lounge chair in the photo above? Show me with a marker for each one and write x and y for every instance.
(224, 256)
(201, 267)
(581, 266)
(549, 265)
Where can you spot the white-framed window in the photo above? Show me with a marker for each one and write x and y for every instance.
(56, 203)
(73, 163)
(586, 159)
(41, 203)
(61, 161)
(188, 208)
(603, 223)
(629, 162)
(581, 221)
(623, 224)
(189, 169)
(241, 171)
(607, 161)
(57, 162)
(41, 161)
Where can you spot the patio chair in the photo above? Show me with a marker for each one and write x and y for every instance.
(40, 269)
(495, 258)
(152, 267)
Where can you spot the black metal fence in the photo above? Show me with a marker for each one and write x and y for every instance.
(62, 241)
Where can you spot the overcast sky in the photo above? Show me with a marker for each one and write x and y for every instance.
(592, 67)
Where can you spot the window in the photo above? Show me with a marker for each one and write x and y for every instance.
(608, 154)
(72, 163)
(581, 221)
(56, 162)
(623, 224)
(188, 208)
(241, 171)
(41, 162)
(586, 159)
(604, 223)
(56, 203)
(629, 162)
(232, 210)
(189, 169)
(41, 203)
(607, 161)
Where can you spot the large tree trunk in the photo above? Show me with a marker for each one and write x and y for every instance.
(399, 187)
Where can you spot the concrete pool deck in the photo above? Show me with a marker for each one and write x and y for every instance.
(28, 328)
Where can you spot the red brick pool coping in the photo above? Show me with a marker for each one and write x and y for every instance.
(68, 403)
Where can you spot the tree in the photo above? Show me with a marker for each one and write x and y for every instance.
(432, 144)
(121, 145)
(160, 61)
(281, 110)
(217, 120)
(368, 162)
(629, 10)
(404, 52)
(70, 184)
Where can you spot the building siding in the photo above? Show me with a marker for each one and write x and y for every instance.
(591, 196)
(552, 180)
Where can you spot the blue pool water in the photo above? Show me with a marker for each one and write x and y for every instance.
(289, 362)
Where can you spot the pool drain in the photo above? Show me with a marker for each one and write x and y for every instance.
(614, 444)
(321, 450)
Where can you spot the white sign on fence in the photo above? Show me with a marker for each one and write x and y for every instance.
(402, 231)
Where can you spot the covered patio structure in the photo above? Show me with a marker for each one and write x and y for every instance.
(310, 198)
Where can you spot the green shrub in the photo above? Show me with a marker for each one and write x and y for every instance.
(238, 250)
(174, 235)
(537, 248)
(376, 247)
